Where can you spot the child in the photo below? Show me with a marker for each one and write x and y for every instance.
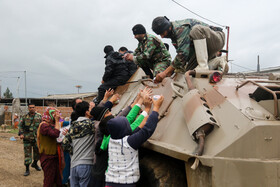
(103, 115)
(123, 164)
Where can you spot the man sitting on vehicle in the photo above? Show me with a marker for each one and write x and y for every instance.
(116, 72)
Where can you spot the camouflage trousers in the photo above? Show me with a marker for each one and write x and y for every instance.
(156, 67)
(215, 39)
(28, 146)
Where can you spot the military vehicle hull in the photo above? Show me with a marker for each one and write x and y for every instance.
(241, 146)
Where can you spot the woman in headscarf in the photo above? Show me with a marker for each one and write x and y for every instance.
(51, 156)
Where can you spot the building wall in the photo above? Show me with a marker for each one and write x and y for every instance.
(6, 112)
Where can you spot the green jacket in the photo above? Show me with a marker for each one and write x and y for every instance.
(133, 124)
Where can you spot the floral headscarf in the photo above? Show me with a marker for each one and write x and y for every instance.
(48, 115)
(49, 118)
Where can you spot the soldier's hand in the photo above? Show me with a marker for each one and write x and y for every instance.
(160, 77)
(125, 56)
(128, 57)
(21, 136)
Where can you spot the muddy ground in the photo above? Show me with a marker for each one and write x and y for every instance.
(12, 164)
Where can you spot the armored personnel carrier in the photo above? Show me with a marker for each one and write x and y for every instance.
(213, 130)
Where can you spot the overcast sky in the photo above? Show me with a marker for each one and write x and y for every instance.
(59, 43)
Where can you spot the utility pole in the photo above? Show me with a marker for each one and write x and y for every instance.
(0, 89)
(79, 87)
(18, 87)
(258, 66)
(25, 88)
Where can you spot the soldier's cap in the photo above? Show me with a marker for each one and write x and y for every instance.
(160, 24)
(139, 29)
(108, 48)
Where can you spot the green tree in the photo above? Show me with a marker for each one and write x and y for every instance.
(8, 94)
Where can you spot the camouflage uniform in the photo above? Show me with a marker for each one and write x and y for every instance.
(182, 36)
(78, 129)
(152, 53)
(28, 126)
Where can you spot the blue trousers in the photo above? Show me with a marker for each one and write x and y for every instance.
(66, 170)
(81, 176)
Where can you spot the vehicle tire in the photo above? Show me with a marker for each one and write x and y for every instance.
(158, 170)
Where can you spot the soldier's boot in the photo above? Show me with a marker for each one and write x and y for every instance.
(34, 165)
(27, 172)
(201, 54)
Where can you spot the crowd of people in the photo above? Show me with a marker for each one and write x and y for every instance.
(98, 142)
(99, 149)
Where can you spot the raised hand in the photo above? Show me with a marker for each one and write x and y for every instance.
(108, 94)
(146, 92)
(114, 98)
(64, 131)
(147, 103)
(157, 103)
(136, 100)
(91, 105)
(56, 115)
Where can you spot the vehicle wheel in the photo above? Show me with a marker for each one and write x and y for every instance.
(158, 170)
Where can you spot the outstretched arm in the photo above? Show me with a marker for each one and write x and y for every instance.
(137, 139)
(140, 99)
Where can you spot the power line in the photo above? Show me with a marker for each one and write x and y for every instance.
(197, 14)
(8, 77)
(11, 71)
(64, 77)
(242, 67)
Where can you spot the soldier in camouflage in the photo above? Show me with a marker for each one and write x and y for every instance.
(28, 126)
(195, 43)
(151, 54)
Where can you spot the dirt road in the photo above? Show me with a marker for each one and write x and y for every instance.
(12, 164)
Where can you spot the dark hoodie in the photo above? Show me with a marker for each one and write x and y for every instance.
(101, 156)
(119, 127)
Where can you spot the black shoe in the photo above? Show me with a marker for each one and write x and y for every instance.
(34, 165)
(27, 172)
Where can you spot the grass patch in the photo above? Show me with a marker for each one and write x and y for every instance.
(11, 130)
